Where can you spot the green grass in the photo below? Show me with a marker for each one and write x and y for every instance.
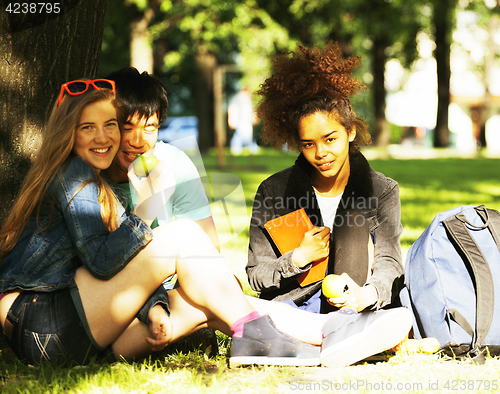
(427, 187)
(430, 186)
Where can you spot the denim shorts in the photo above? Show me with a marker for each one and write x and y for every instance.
(47, 327)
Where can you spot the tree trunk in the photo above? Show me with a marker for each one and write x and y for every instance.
(141, 49)
(489, 61)
(160, 50)
(442, 23)
(204, 97)
(382, 134)
(40, 51)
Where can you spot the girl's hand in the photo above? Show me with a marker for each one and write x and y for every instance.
(314, 246)
(153, 192)
(161, 328)
(356, 297)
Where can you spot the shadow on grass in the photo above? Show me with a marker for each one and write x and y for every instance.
(427, 187)
(16, 377)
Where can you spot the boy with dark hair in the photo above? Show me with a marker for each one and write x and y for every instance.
(144, 100)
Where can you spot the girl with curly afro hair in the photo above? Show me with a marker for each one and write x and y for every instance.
(355, 211)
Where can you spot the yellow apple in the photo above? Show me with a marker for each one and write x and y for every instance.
(429, 345)
(334, 286)
(426, 345)
(143, 165)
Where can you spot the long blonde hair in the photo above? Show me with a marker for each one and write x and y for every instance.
(56, 149)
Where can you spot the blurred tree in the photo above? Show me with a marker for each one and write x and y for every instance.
(488, 22)
(492, 27)
(190, 39)
(380, 29)
(443, 21)
(392, 28)
(40, 51)
(141, 49)
(115, 49)
(208, 35)
(127, 40)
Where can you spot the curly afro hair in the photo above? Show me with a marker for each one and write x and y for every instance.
(309, 81)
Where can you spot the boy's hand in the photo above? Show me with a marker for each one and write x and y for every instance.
(154, 191)
(161, 328)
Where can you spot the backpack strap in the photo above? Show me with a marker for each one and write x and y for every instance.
(457, 228)
(461, 321)
(491, 218)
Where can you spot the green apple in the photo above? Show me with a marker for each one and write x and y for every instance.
(334, 286)
(143, 165)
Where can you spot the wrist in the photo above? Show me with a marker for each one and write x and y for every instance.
(371, 294)
(145, 214)
(298, 259)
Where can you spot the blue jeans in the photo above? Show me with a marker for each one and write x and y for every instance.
(47, 328)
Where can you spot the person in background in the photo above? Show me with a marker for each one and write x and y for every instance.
(241, 119)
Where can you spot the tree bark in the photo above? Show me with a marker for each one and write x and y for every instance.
(382, 134)
(442, 23)
(38, 52)
(204, 97)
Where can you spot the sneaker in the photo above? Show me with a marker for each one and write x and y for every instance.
(349, 337)
(263, 344)
(204, 339)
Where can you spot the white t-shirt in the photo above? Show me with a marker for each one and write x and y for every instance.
(328, 208)
(189, 200)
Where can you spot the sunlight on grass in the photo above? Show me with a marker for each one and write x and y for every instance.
(427, 187)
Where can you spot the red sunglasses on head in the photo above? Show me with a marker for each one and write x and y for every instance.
(75, 88)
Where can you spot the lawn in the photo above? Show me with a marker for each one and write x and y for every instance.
(427, 187)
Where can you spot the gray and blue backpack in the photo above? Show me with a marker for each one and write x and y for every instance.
(451, 274)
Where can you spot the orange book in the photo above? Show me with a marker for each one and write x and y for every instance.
(287, 232)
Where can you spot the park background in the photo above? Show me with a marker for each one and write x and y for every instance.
(433, 77)
(431, 66)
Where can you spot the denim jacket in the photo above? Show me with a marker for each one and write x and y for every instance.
(372, 193)
(46, 260)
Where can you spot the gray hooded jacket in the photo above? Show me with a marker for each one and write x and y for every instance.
(371, 193)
